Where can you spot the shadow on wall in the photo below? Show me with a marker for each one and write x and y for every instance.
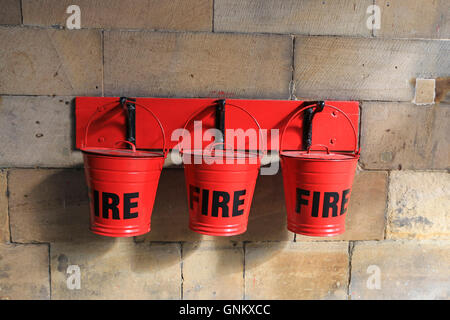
(61, 199)
(52, 205)
(57, 210)
(73, 129)
(170, 217)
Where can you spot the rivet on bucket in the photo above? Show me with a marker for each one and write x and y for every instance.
(317, 187)
(122, 186)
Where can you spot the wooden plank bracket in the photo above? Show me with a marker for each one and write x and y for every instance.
(319, 126)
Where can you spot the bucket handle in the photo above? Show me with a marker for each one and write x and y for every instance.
(321, 145)
(133, 146)
(263, 149)
(356, 151)
(102, 108)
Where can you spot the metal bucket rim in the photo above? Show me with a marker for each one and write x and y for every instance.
(98, 152)
(351, 156)
(201, 153)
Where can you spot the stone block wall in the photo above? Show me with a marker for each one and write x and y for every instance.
(398, 227)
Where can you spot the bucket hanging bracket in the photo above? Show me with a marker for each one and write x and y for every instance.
(130, 107)
(220, 119)
(136, 127)
(307, 120)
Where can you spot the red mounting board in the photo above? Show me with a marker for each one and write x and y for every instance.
(330, 128)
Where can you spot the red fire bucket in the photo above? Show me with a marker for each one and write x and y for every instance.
(122, 186)
(317, 186)
(220, 186)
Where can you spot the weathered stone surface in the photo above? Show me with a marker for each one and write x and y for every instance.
(197, 64)
(180, 15)
(404, 136)
(37, 131)
(419, 205)
(267, 219)
(49, 205)
(366, 212)
(170, 217)
(24, 272)
(341, 17)
(425, 91)
(4, 221)
(213, 271)
(10, 12)
(400, 270)
(50, 62)
(443, 90)
(414, 19)
(365, 69)
(295, 270)
(116, 269)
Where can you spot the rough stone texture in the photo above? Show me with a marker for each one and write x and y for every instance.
(4, 222)
(197, 64)
(122, 14)
(117, 269)
(213, 271)
(24, 272)
(404, 136)
(39, 60)
(37, 131)
(366, 212)
(407, 270)
(414, 19)
(365, 69)
(443, 90)
(295, 270)
(267, 219)
(419, 205)
(10, 12)
(48, 206)
(341, 17)
(170, 217)
(425, 91)
(50, 62)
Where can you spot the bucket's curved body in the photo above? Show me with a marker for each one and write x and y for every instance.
(317, 192)
(220, 195)
(122, 193)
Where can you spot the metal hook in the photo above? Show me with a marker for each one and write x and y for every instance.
(130, 107)
(307, 120)
(220, 119)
